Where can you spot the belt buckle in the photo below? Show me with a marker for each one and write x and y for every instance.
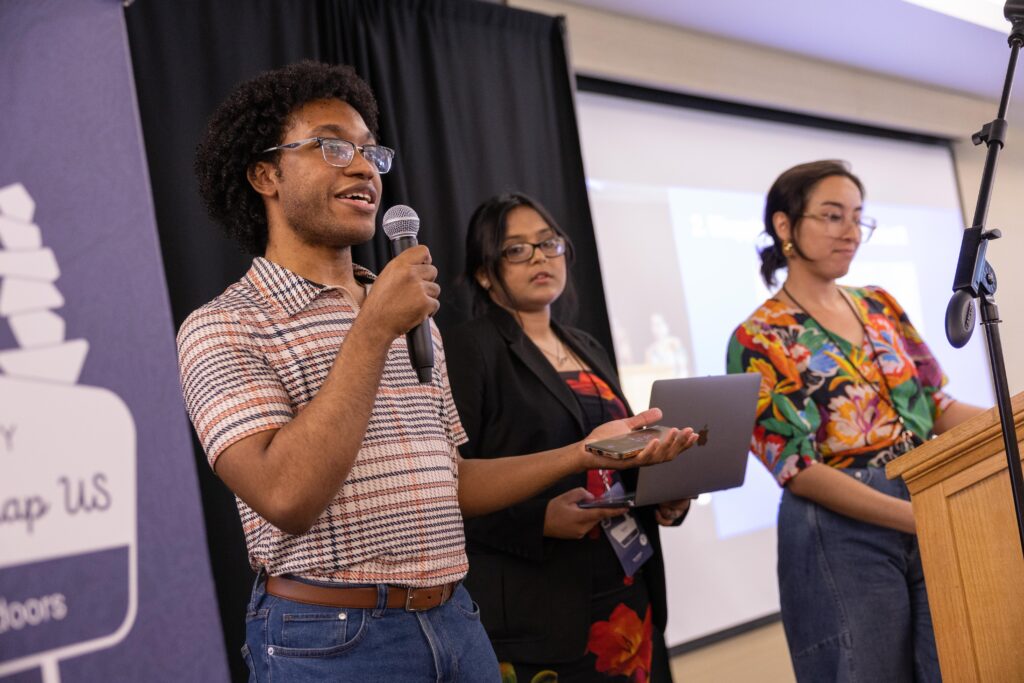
(446, 593)
(408, 601)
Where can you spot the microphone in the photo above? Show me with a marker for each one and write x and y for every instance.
(401, 224)
(1013, 10)
(960, 316)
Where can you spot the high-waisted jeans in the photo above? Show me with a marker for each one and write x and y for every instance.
(854, 605)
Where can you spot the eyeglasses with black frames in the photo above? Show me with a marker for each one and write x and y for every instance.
(836, 222)
(520, 252)
(340, 153)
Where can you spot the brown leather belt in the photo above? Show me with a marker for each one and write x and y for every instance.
(409, 599)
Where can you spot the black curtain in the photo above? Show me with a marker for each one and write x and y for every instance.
(475, 97)
(477, 100)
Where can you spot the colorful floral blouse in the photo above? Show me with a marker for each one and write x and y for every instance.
(814, 406)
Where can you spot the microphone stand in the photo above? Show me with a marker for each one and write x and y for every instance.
(975, 278)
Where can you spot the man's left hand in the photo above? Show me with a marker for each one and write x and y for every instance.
(658, 450)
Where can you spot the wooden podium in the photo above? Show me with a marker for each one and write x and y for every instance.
(970, 547)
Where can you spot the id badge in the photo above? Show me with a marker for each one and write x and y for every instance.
(630, 543)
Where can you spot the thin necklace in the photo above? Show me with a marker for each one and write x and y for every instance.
(906, 437)
(560, 356)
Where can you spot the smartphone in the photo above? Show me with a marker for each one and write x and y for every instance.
(627, 445)
(626, 501)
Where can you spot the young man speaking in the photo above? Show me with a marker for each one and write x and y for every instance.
(298, 382)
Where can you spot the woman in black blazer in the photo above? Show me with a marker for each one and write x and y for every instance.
(553, 595)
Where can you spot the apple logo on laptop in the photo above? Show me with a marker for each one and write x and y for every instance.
(702, 436)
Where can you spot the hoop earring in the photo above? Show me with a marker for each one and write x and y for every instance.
(788, 248)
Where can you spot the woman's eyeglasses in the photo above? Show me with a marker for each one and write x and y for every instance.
(521, 252)
(836, 222)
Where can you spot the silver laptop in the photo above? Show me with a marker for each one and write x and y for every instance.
(721, 409)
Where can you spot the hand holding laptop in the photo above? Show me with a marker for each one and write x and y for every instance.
(666, 514)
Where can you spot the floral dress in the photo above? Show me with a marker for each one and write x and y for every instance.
(622, 643)
(822, 399)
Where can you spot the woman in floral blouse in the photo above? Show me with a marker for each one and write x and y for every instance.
(847, 385)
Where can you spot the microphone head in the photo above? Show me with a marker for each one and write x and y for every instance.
(1013, 10)
(960, 314)
(401, 221)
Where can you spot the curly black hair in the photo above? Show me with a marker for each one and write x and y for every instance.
(254, 117)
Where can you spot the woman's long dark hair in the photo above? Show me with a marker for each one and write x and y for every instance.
(487, 228)
(789, 194)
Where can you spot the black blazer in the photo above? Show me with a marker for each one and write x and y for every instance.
(533, 592)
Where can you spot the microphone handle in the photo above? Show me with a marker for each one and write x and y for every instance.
(418, 339)
(421, 351)
(400, 244)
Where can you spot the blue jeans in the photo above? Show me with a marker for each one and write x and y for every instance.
(292, 642)
(854, 605)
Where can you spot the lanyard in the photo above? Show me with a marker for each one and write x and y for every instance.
(905, 438)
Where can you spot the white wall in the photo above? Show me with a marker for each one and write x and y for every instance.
(635, 51)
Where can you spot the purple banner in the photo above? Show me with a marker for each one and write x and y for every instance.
(104, 573)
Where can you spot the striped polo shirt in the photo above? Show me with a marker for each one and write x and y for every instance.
(254, 356)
